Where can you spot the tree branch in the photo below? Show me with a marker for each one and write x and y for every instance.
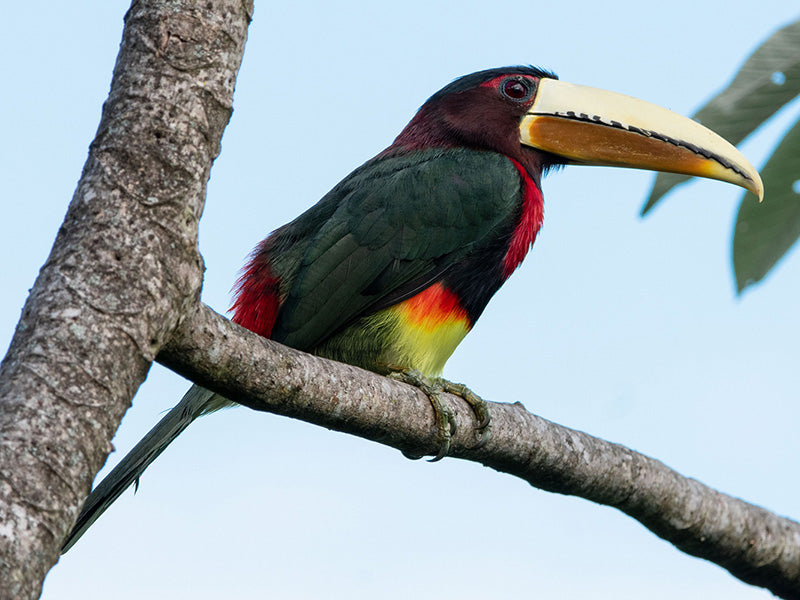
(752, 543)
(123, 268)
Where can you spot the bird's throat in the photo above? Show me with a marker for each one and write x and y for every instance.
(529, 224)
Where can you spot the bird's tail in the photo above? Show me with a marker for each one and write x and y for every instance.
(197, 401)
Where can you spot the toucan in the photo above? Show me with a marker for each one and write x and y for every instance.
(392, 268)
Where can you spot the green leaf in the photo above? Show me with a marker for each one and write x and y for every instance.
(768, 79)
(764, 232)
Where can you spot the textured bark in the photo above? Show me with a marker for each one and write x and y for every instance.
(752, 543)
(123, 269)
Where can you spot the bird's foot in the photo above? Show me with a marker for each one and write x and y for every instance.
(479, 406)
(445, 420)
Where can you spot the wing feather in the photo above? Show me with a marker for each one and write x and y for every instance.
(400, 223)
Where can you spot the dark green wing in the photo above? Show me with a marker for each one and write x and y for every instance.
(398, 224)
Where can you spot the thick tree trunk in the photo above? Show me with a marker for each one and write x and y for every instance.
(123, 270)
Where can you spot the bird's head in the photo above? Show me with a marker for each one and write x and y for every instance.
(529, 115)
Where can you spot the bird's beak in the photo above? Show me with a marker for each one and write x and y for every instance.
(594, 127)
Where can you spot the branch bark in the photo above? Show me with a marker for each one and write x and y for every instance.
(752, 543)
(123, 270)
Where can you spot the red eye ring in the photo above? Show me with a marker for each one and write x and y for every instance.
(515, 89)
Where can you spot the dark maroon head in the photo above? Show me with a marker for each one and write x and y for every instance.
(481, 110)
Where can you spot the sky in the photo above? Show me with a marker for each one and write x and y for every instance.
(623, 327)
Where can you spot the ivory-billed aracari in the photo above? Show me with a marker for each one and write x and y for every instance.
(391, 269)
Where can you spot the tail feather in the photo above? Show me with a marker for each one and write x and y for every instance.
(197, 401)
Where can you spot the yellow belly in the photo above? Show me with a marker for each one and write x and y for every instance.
(419, 333)
(427, 329)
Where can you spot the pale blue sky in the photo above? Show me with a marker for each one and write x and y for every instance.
(628, 329)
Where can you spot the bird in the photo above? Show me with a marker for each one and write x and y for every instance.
(391, 269)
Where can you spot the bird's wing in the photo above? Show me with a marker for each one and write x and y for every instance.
(399, 223)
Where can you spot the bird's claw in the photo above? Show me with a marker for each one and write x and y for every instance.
(445, 420)
(479, 407)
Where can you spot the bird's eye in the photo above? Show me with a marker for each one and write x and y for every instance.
(516, 89)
